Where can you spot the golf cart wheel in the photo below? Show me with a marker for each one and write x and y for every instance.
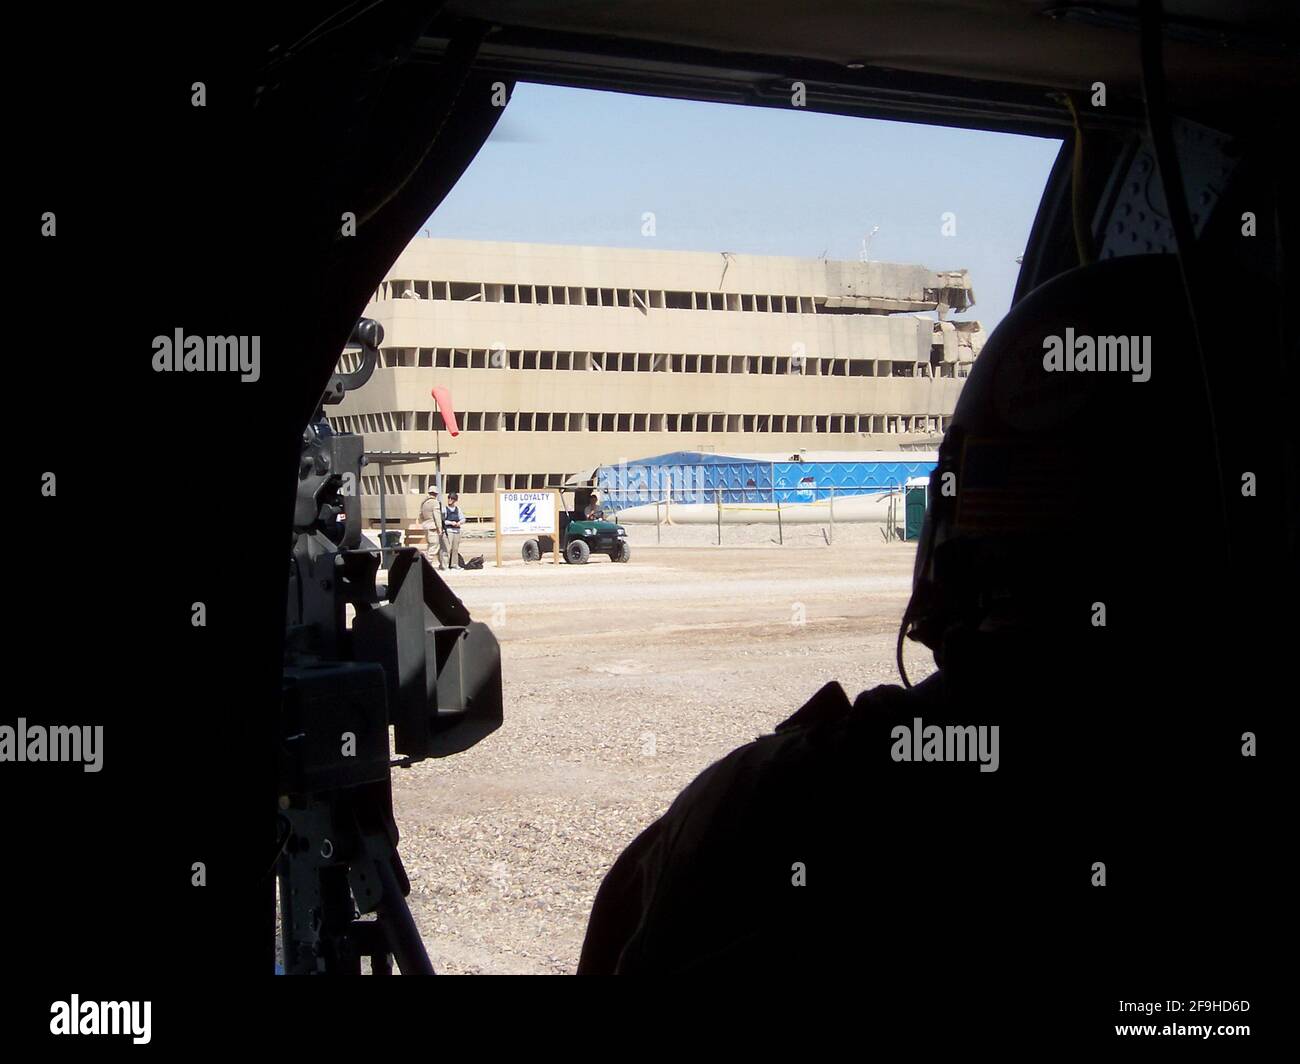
(577, 552)
(531, 550)
(621, 553)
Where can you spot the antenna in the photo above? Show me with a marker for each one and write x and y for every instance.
(866, 244)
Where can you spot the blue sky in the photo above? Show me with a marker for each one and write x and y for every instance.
(571, 166)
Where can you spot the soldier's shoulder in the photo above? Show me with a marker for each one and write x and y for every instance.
(830, 706)
(819, 724)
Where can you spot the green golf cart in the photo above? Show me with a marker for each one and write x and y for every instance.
(581, 535)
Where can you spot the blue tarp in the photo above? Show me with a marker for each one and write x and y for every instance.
(676, 458)
(653, 480)
(696, 477)
(809, 481)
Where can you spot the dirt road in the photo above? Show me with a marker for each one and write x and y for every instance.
(622, 682)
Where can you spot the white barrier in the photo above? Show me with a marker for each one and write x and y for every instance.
(871, 509)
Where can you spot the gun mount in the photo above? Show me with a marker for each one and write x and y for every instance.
(361, 657)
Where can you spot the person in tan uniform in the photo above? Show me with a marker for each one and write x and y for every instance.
(434, 537)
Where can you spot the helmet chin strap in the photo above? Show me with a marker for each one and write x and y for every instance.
(898, 649)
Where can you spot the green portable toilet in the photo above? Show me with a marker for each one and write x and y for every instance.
(915, 496)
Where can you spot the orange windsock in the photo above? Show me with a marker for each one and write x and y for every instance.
(443, 398)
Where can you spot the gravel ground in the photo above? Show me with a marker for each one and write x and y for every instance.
(622, 682)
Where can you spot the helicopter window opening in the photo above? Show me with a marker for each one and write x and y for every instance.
(535, 270)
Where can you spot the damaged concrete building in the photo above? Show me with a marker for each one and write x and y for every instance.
(562, 358)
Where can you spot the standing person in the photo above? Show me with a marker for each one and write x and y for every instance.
(431, 522)
(451, 522)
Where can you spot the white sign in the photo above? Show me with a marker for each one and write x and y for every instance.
(527, 513)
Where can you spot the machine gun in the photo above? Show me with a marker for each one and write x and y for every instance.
(411, 658)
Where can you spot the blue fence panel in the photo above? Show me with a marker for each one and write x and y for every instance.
(639, 483)
(747, 482)
(741, 481)
(812, 481)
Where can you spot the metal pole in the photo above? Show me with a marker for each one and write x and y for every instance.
(659, 526)
(780, 532)
(383, 524)
(832, 513)
(437, 446)
(399, 925)
(719, 497)
(496, 524)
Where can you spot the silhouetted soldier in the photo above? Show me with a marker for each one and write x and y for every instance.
(1061, 609)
